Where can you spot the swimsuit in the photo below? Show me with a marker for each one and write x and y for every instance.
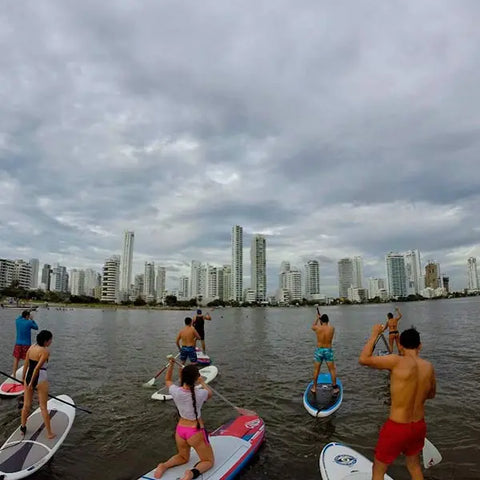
(393, 332)
(188, 352)
(42, 374)
(187, 432)
(322, 353)
(396, 438)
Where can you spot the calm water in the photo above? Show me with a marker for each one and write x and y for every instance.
(264, 358)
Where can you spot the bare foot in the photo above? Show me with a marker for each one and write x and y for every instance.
(51, 435)
(188, 475)
(160, 470)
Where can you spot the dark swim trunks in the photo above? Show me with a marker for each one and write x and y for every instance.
(188, 352)
(393, 332)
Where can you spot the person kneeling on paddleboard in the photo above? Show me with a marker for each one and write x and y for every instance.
(190, 431)
(324, 351)
(35, 376)
(189, 336)
(412, 382)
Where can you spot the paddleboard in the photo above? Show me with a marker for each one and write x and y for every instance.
(11, 388)
(202, 358)
(233, 445)
(339, 462)
(20, 456)
(322, 403)
(208, 374)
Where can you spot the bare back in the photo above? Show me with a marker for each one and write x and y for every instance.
(392, 324)
(412, 383)
(325, 334)
(188, 336)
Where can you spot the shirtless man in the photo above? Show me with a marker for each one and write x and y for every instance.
(412, 382)
(392, 325)
(199, 324)
(324, 351)
(188, 336)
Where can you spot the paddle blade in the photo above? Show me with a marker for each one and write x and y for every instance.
(245, 411)
(150, 383)
(431, 455)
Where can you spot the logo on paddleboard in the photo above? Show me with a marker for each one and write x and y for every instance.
(345, 460)
(252, 423)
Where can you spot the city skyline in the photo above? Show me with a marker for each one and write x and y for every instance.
(345, 142)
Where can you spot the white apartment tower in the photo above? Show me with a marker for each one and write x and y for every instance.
(413, 271)
(77, 282)
(376, 287)
(160, 282)
(357, 272)
(126, 266)
(35, 266)
(198, 277)
(312, 280)
(183, 288)
(7, 269)
(396, 275)
(345, 276)
(23, 274)
(211, 283)
(472, 272)
(111, 280)
(227, 282)
(294, 284)
(282, 277)
(149, 282)
(258, 259)
(59, 278)
(237, 263)
(92, 281)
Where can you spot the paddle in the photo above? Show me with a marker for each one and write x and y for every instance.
(241, 411)
(431, 456)
(151, 382)
(51, 396)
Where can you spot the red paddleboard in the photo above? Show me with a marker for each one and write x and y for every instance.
(11, 388)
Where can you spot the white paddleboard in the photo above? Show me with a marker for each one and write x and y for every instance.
(324, 402)
(233, 445)
(208, 374)
(202, 358)
(20, 455)
(339, 462)
(11, 388)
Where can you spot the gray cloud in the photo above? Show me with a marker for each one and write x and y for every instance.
(335, 129)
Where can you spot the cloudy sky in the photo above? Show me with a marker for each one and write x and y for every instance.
(334, 128)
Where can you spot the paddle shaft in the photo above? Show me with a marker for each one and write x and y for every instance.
(50, 396)
(165, 367)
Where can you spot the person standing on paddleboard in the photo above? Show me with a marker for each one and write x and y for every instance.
(392, 325)
(35, 376)
(324, 351)
(412, 382)
(188, 336)
(199, 324)
(24, 324)
(190, 431)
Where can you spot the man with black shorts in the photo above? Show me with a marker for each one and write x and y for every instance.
(199, 324)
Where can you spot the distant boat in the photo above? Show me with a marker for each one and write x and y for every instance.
(20, 307)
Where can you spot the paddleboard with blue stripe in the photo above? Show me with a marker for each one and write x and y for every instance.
(324, 402)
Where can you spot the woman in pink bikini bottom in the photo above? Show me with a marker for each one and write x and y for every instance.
(190, 431)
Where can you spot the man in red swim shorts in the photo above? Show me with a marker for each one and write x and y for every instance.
(412, 382)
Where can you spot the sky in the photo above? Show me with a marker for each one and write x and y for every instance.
(333, 128)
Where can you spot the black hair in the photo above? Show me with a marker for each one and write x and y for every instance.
(189, 376)
(324, 318)
(188, 320)
(410, 339)
(43, 337)
(389, 315)
(26, 313)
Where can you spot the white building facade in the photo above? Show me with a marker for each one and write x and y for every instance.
(396, 275)
(472, 275)
(111, 280)
(258, 259)
(126, 265)
(237, 263)
(312, 280)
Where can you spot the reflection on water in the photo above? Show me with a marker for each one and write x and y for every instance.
(264, 356)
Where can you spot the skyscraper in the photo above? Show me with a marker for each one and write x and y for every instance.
(111, 280)
(46, 276)
(396, 275)
(376, 286)
(160, 283)
(345, 276)
(59, 278)
(92, 281)
(282, 277)
(23, 274)
(149, 282)
(211, 283)
(7, 269)
(413, 272)
(432, 275)
(77, 282)
(357, 272)
(258, 259)
(312, 280)
(294, 284)
(227, 283)
(126, 266)
(183, 288)
(34, 264)
(472, 272)
(237, 263)
(198, 277)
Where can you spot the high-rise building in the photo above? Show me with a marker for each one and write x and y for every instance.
(473, 279)
(126, 266)
(357, 272)
(138, 286)
(149, 282)
(312, 280)
(376, 286)
(34, 264)
(414, 272)
(160, 282)
(220, 293)
(183, 288)
(46, 277)
(77, 282)
(92, 281)
(111, 279)
(396, 275)
(282, 277)
(7, 270)
(237, 263)
(227, 283)
(23, 274)
(294, 284)
(258, 258)
(59, 278)
(198, 278)
(345, 276)
(211, 283)
(432, 275)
